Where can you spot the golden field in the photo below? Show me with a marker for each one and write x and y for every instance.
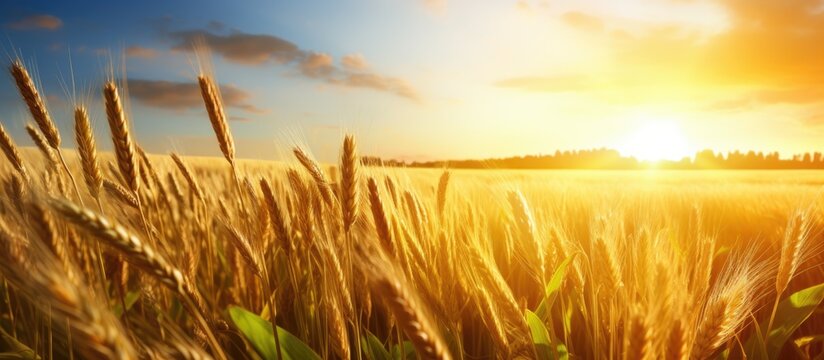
(151, 256)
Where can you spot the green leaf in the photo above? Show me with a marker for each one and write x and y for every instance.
(373, 347)
(130, 300)
(259, 333)
(406, 352)
(552, 287)
(563, 353)
(540, 336)
(791, 313)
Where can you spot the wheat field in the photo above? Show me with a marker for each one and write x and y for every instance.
(128, 255)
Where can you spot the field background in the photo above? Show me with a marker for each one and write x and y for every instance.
(656, 264)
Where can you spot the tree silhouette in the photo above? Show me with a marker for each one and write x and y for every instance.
(608, 159)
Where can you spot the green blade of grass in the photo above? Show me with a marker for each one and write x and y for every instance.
(259, 333)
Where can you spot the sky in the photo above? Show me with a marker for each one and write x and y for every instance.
(434, 79)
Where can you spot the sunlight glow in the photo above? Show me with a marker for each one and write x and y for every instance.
(656, 140)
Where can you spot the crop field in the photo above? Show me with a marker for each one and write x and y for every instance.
(128, 255)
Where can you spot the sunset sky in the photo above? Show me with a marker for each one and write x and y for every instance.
(436, 79)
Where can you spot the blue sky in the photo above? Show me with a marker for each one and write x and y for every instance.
(276, 103)
(424, 79)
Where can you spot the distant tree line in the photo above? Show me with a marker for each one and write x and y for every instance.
(612, 160)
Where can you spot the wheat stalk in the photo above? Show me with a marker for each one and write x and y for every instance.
(141, 255)
(12, 153)
(276, 218)
(121, 137)
(792, 247)
(120, 193)
(316, 173)
(337, 329)
(87, 149)
(44, 147)
(381, 225)
(722, 318)
(527, 229)
(409, 313)
(443, 182)
(349, 182)
(37, 108)
(340, 278)
(214, 107)
(92, 329)
(35, 103)
(637, 345)
(244, 248)
(187, 174)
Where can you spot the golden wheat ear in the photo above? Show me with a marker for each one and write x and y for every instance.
(35, 103)
(190, 178)
(37, 274)
(120, 193)
(143, 256)
(379, 216)
(349, 165)
(12, 153)
(443, 182)
(37, 108)
(412, 316)
(87, 149)
(276, 218)
(316, 173)
(42, 145)
(121, 137)
(214, 107)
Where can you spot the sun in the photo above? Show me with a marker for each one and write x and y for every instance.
(656, 140)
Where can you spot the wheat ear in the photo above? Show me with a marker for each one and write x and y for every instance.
(721, 318)
(214, 107)
(190, 178)
(94, 331)
(381, 224)
(443, 182)
(38, 110)
(316, 173)
(87, 149)
(244, 248)
(349, 182)
(410, 315)
(276, 218)
(35, 103)
(638, 335)
(41, 143)
(141, 255)
(12, 153)
(121, 137)
(120, 193)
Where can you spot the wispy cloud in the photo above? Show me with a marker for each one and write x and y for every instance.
(354, 62)
(36, 22)
(184, 95)
(378, 82)
(241, 48)
(261, 49)
(141, 52)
